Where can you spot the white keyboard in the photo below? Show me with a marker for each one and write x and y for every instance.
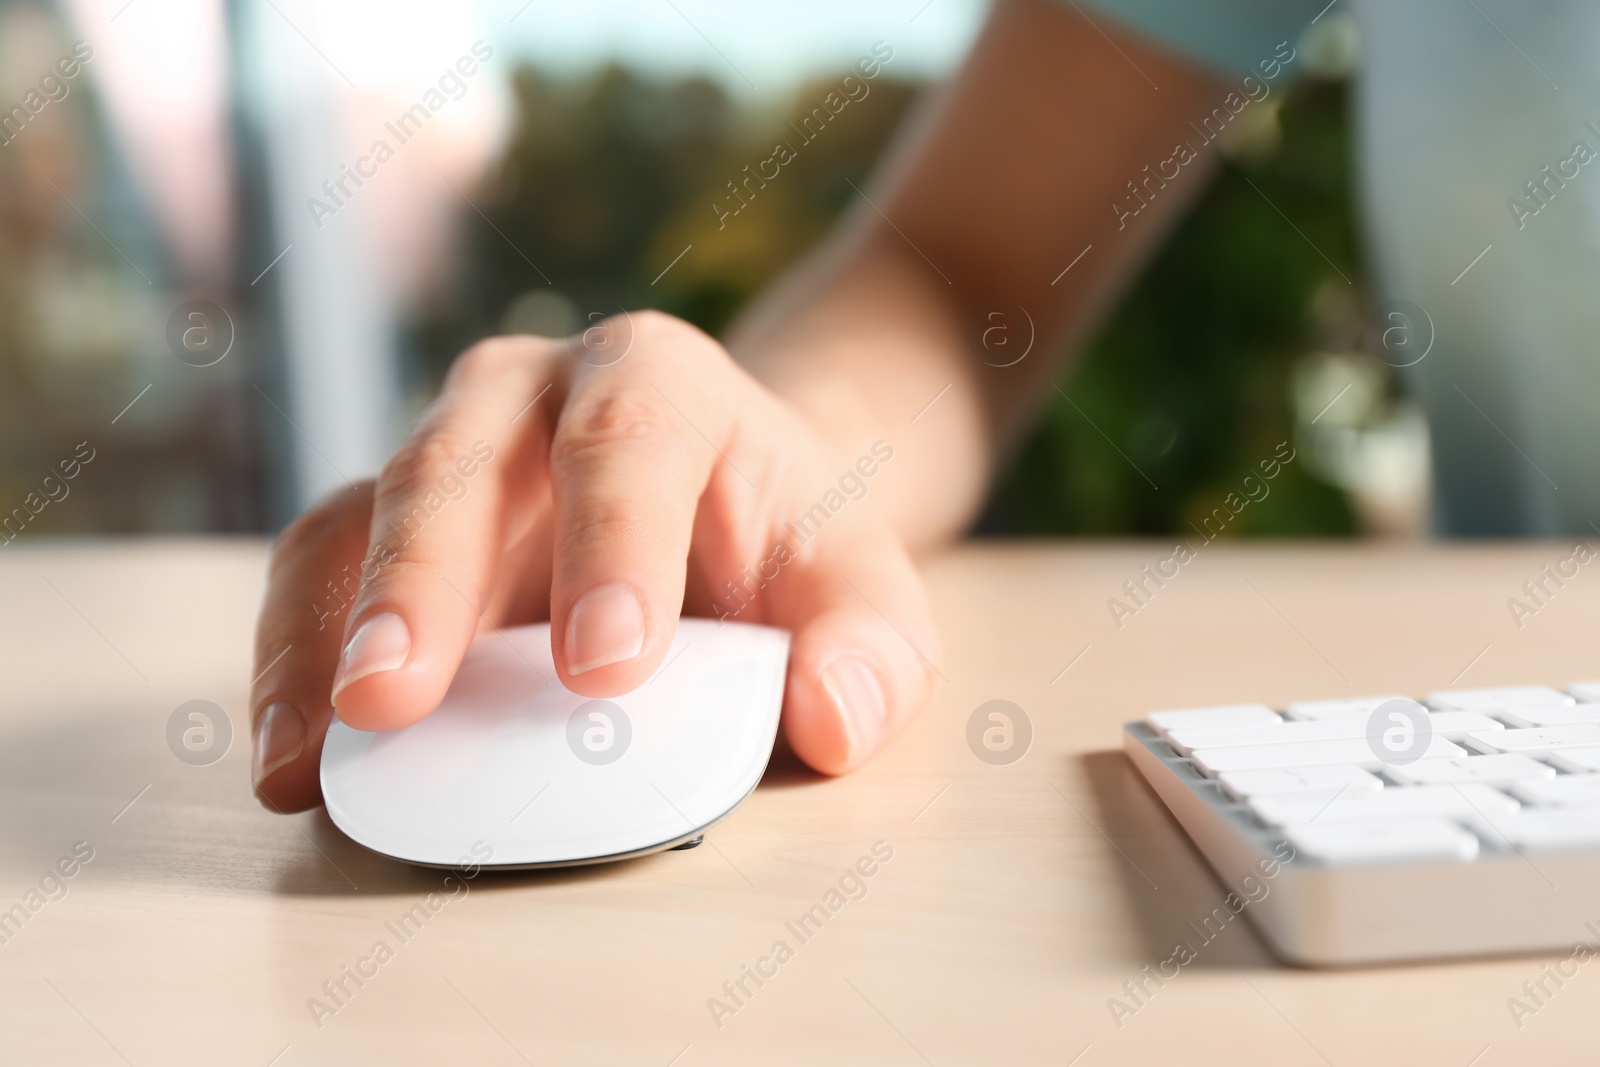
(1382, 828)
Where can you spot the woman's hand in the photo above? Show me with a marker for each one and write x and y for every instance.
(607, 483)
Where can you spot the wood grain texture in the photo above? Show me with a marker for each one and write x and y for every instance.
(1018, 899)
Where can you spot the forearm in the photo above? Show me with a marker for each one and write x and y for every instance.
(1004, 178)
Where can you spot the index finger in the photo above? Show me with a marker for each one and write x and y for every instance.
(441, 511)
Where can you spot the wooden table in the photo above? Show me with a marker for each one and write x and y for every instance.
(1017, 901)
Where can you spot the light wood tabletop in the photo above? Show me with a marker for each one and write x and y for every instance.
(1005, 906)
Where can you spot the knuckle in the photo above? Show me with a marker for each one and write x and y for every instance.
(684, 342)
(660, 323)
(615, 523)
(694, 341)
(419, 465)
(408, 567)
(274, 659)
(622, 417)
(321, 524)
(492, 359)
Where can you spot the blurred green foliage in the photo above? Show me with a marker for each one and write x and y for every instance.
(607, 180)
(1190, 375)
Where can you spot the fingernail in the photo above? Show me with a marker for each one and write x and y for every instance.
(857, 695)
(280, 734)
(382, 643)
(606, 626)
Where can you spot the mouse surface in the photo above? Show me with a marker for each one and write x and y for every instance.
(515, 770)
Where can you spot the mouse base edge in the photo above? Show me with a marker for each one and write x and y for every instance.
(670, 845)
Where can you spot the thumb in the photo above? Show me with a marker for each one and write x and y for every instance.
(866, 656)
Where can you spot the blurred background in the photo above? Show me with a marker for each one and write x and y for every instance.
(214, 280)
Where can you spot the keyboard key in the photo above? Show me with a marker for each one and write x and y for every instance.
(1551, 715)
(1354, 708)
(1418, 840)
(1586, 692)
(1452, 725)
(1561, 791)
(1503, 769)
(1466, 803)
(1280, 781)
(1577, 760)
(1552, 828)
(1163, 722)
(1510, 696)
(1185, 740)
(1536, 741)
(1213, 761)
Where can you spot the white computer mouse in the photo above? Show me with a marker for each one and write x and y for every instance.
(515, 770)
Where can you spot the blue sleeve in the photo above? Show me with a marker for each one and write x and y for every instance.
(1231, 36)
